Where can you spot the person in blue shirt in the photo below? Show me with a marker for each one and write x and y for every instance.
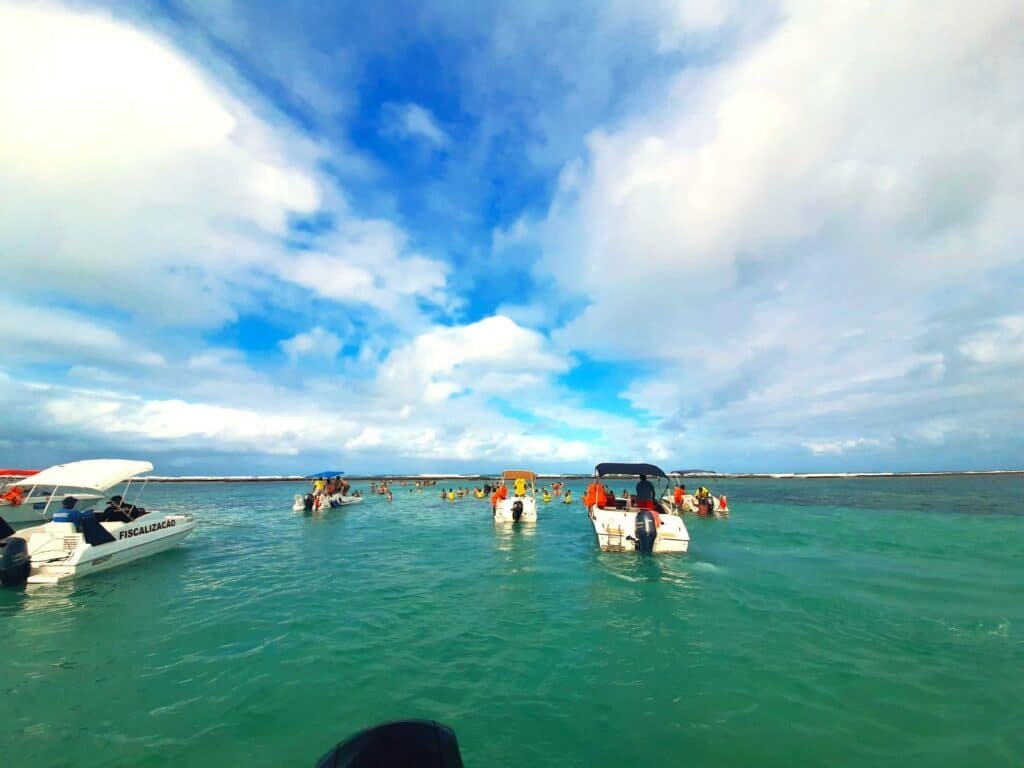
(644, 490)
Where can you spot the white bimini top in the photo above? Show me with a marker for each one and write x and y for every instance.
(92, 474)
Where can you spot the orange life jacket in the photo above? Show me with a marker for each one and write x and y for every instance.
(14, 496)
(594, 495)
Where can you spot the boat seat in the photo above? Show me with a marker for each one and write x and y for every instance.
(94, 533)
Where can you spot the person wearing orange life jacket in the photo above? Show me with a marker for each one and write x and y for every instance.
(677, 497)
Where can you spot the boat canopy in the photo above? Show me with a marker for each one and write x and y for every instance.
(515, 474)
(324, 475)
(631, 470)
(17, 472)
(93, 474)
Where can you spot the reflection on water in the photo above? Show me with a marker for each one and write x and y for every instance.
(506, 534)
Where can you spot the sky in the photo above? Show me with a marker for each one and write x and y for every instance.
(279, 237)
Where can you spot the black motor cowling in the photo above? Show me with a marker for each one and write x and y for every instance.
(15, 562)
(646, 531)
(517, 510)
(307, 502)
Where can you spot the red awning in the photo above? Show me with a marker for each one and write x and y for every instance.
(17, 472)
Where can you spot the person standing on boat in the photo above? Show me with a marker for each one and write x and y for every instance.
(645, 493)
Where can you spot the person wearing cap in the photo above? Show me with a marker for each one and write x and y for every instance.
(115, 511)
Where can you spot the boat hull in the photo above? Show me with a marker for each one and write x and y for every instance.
(688, 506)
(332, 502)
(146, 536)
(504, 512)
(615, 529)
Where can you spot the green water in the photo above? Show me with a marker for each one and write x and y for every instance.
(860, 622)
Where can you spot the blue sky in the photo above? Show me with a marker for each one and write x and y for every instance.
(267, 237)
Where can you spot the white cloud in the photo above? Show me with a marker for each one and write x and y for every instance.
(134, 180)
(1001, 343)
(53, 333)
(490, 356)
(316, 341)
(838, 446)
(415, 122)
(824, 178)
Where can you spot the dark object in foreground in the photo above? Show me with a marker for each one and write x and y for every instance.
(400, 744)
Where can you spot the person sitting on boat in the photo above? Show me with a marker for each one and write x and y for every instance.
(677, 497)
(520, 487)
(645, 493)
(70, 514)
(116, 511)
(119, 512)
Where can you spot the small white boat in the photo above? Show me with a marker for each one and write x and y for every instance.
(76, 543)
(23, 502)
(691, 504)
(624, 526)
(314, 502)
(520, 506)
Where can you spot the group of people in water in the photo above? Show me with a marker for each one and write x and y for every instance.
(701, 502)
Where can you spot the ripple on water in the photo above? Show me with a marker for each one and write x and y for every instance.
(803, 629)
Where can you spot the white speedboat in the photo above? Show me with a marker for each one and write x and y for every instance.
(520, 503)
(23, 501)
(703, 504)
(628, 525)
(75, 543)
(318, 502)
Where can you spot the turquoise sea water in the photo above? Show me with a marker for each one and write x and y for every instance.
(858, 622)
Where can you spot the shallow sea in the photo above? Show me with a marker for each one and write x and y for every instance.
(827, 622)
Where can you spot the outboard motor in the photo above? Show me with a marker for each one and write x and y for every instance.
(646, 531)
(401, 744)
(517, 510)
(307, 502)
(15, 562)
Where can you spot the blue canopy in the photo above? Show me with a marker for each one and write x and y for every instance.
(616, 468)
(324, 475)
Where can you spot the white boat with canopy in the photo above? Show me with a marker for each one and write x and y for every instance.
(639, 523)
(519, 504)
(320, 499)
(24, 501)
(78, 542)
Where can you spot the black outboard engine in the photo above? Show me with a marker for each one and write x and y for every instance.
(646, 531)
(307, 502)
(517, 510)
(15, 563)
(401, 744)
